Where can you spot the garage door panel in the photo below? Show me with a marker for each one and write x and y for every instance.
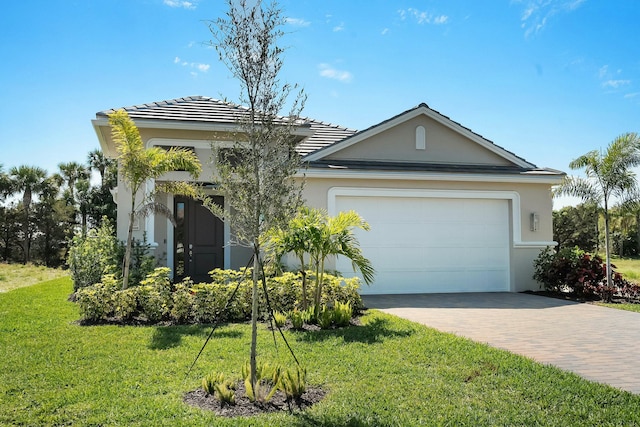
(428, 244)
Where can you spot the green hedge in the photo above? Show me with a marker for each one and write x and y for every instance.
(157, 300)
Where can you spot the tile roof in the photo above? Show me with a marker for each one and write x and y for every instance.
(203, 109)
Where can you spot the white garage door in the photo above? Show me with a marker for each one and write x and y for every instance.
(426, 244)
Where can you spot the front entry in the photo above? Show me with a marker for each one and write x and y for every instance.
(198, 240)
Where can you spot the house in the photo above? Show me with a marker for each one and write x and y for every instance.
(449, 210)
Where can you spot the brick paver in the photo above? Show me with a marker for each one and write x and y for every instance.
(598, 343)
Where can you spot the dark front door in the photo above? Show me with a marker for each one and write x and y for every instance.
(198, 240)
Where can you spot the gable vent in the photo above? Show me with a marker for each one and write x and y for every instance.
(421, 138)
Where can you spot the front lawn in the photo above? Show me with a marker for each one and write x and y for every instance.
(386, 372)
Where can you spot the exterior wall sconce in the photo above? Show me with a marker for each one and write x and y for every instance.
(534, 220)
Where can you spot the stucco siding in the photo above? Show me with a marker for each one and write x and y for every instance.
(398, 144)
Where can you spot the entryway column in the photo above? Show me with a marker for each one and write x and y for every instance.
(150, 220)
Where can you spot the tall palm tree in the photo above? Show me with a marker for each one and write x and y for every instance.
(609, 178)
(28, 180)
(72, 172)
(139, 165)
(97, 161)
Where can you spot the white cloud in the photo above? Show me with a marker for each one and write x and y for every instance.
(331, 73)
(298, 22)
(423, 17)
(536, 13)
(603, 71)
(615, 84)
(338, 28)
(632, 95)
(194, 66)
(385, 31)
(442, 19)
(203, 67)
(181, 3)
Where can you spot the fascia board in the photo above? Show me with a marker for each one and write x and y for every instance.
(430, 176)
(98, 127)
(202, 126)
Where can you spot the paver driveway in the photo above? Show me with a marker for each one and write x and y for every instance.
(600, 344)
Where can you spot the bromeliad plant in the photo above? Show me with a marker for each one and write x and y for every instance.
(293, 383)
(266, 384)
(217, 385)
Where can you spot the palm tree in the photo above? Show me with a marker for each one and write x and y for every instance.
(72, 172)
(97, 160)
(320, 236)
(335, 237)
(28, 180)
(5, 184)
(608, 177)
(297, 239)
(139, 165)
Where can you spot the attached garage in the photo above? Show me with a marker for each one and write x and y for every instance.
(431, 241)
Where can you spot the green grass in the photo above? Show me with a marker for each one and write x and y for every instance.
(622, 306)
(629, 267)
(14, 276)
(387, 372)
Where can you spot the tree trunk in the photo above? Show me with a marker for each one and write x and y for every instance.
(638, 232)
(254, 316)
(127, 253)
(303, 272)
(607, 243)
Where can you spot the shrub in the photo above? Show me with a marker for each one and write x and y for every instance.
(576, 272)
(96, 302)
(629, 291)
(92, 255)
(157, 300)
(182, 299)
(125, 303)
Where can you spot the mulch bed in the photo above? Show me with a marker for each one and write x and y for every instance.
(569, 297)
(245, 408)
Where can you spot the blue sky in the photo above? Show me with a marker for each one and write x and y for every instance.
(546, 79)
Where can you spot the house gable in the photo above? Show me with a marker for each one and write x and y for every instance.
(419, 136)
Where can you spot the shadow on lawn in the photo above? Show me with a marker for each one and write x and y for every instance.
(307, 419)
(374, 331)
(165, 337)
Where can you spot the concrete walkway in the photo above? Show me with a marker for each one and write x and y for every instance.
(600, 344)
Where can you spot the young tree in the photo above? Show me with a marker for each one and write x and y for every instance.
(256, 175)
(28, 180)
(608, 177)
(139, 165)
